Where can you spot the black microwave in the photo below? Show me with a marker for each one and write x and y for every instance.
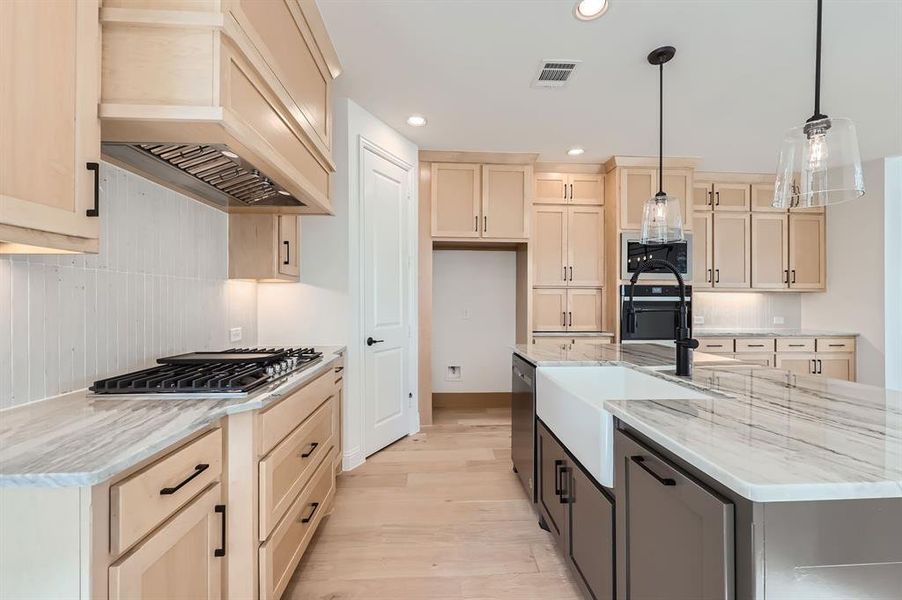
(633, 253)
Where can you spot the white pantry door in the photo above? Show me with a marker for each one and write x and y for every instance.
(386, 300)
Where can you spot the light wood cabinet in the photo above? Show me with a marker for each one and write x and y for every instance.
(574, 309)
(807, 252)
(770, 250)
(832, 357)
(50, 69)
(732, 197)
(568, 246)
(702, 195)
(840, 365)
(491, 202)
(732, 250)
(763, 198)
(550, 254)
(264, 247)
(455, 200)
(505, 201)
(569, 188)
(638, 184)
(182, 559)
(703, 249)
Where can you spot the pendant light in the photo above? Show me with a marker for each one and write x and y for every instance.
(819, 160)
(662, 215)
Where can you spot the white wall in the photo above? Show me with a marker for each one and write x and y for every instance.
(746, 310)
(854, 299)
(893, 271)
(473, 319)
(321, 308)
(158, 287)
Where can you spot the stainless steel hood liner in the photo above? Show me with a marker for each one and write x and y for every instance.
(212, 171)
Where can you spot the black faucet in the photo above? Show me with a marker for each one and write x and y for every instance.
(684, 344)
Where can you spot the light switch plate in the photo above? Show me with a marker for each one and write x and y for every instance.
(235, 334)
(453, 373)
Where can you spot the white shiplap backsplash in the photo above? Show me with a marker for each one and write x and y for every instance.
(159, 286)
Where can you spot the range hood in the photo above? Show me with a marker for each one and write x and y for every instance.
(212, 171)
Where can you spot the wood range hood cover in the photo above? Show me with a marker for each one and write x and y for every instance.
(198, 100)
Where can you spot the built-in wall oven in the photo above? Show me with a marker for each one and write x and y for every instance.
(657, 312)
(633, 253)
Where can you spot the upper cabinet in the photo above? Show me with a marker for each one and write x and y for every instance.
(569, 188)
(490, 202)
(264, 247)
(638, 184)
(568, 246)
(50, 141)
(225, 100)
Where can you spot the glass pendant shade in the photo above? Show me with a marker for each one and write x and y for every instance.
(819, 165)
(662, 220)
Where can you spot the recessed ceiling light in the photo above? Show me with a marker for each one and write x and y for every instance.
(229, 154)
(587, 10)
(575, 151)
(284, 193)
(416, 120)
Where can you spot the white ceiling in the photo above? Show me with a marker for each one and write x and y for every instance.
(742, 75)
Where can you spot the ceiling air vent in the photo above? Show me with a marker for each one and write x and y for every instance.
(555, 73)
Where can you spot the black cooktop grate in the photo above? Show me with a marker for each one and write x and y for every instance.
(211, 376)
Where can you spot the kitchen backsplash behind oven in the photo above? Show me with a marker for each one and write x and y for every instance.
(746, 310)
(159, 286)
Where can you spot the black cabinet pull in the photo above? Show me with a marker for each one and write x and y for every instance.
(93, 166)
(339, 369)
(198, 469)
(786, 276)
(476, 224)
(287, 252)
(793, 276)
(571, 273)
(564, 496)
(313, 446)
(314, 506)
(820, 367)
(558, 464)
(756, 345)
(640, 460)
(718, 199)
(565, 273)
(709, 198)
(220, 508)
(571, 318)
(485, 224)
(812, 367)
(564, 319)
(370, 341)
(710, 276)
(571, 191)
(716, 275)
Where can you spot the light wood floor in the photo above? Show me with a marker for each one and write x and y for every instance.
(438, 515)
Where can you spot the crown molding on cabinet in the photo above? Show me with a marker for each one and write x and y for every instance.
(650, 161)
(494, 158)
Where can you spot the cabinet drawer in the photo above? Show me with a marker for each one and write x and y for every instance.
(835, 344)
(281, 553)
(278, 421)
(288, 468)
(755, 344)
(795, 344)
(141, 502)
(716, 345)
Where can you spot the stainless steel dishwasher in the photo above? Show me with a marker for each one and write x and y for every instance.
(523, 423)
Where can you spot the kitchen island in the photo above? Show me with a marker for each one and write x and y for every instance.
(754, 483)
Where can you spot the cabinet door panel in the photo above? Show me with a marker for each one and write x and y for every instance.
(636, 186)
(289, 249)
(702, 249)
(702, 196)
(807, 252)
(763, 198)
(549, 310)
(551, 459)
(585, 189)
(550, 246)
(798, 364)
(505, 201)
(590, 543)
(177, 560)
(679, 183)
(732, 246)
(680, 535)
(551, 188)
(584, 310)
(770, 250)
(585, 248)
(837, 366)
(732, 197)
(455, 200)
(50, 69)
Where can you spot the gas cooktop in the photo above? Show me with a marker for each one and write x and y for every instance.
(234, 371)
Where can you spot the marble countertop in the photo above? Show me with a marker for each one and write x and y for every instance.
(80, 439)
(766, 434)
(699, 332)
(638, 354)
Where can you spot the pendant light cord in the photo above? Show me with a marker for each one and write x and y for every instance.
(817, 66)
(661, 131)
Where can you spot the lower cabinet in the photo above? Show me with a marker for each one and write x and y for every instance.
(182, 559)
(580, 516)
(675, 536)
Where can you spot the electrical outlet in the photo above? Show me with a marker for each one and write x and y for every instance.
(235, 334)
(453, 373)
(779, 320)
(698, 320)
